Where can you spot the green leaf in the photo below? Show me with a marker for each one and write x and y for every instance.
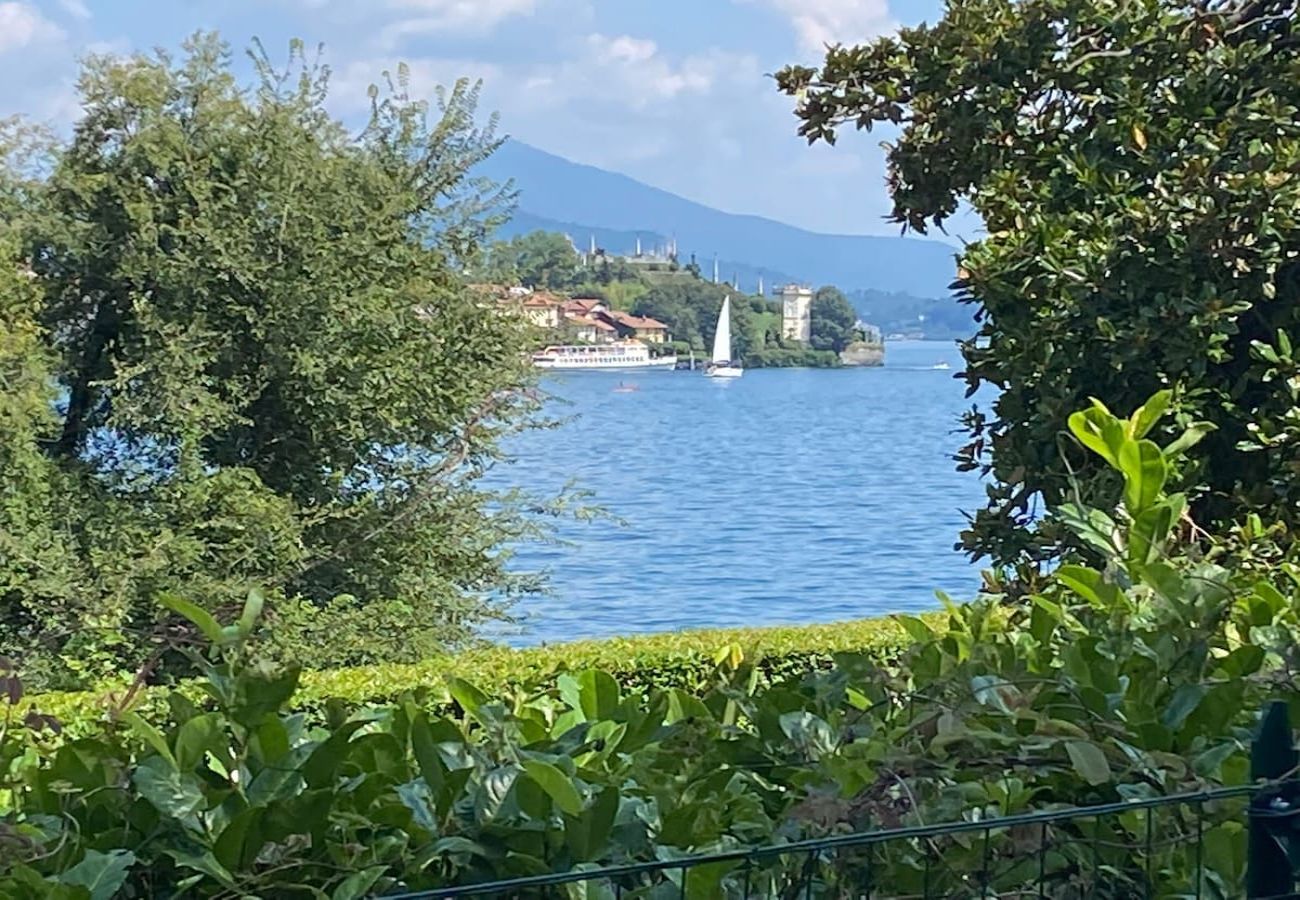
(470, 698)
(1146, 416)
(358, 884)
(916, 629)
(1099, 431)
(587, 834)
(683, 705)
(252, 612)
(1089, 761)
(197, 615)
(1091, 525)
(811, 733)
(556, 784)
(1144, 471)
(1188, 439)
(1089, 584)
(1149, 531)
(172, 793)
(426, 754)
(240, 841)
(416, 796)
(1182, 704)
(100, 873)
(195, 738)
(151, 736)
(203, 862)
(599, 694)
(1243, 661)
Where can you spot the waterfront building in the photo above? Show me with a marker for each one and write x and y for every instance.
(796, 313)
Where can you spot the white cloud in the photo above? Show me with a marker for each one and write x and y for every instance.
(75, 8)
(22, 25)
(451, 16)
(821, 22)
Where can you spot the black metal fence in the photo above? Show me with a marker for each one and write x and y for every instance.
(1223, 843)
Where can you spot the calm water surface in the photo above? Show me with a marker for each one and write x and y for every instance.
(787, 496)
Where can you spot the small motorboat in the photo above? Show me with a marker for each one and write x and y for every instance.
(626, 388)
(942, 365)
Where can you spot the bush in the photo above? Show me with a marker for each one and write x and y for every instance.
(687, 660)
(792, 358)
(1133, 166)
(1130, 681)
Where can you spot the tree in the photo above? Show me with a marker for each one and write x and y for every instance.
(1134, 164)
(269, 374)
(539, 259)
(834, 320)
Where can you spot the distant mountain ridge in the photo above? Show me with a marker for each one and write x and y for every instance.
(618, 241)
(557, 194)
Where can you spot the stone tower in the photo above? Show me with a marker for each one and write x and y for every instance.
(796, 313)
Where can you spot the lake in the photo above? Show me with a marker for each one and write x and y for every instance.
(786, 496)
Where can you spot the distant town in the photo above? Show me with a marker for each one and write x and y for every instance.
(648, 296)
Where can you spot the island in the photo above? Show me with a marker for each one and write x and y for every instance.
(592, 297)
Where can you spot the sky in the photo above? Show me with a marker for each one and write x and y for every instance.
(675, 93)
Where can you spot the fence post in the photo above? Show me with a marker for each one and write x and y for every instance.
(1272, 756)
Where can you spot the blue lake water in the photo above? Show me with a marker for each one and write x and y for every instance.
(786, 496)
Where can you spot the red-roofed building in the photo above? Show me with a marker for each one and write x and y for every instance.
(643, 328)
(592, 330)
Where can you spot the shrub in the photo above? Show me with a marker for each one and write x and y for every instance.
(1133, 680)
(688, 660)
(1134, 167)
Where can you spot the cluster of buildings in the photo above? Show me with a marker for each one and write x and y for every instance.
(583, 320)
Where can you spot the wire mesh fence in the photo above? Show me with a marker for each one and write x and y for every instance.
(1190, 845)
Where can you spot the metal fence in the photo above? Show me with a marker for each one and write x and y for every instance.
(1228, 842)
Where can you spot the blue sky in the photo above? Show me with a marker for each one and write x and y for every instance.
(672, 92)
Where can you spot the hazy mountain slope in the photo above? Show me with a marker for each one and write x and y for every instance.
(561, 191)
(622, 242)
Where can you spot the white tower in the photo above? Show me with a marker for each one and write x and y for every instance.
(715, 268)
(760, 285)
(638, 248)
(796, 313)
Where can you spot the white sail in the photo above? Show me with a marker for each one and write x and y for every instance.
(722, 337)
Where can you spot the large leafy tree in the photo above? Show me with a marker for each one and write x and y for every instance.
(1136, 166)
(539, 259)
(834, 320)
(267, 371)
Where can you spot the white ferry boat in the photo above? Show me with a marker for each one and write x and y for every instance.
(619, 355)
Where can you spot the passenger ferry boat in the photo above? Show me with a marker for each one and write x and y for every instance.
(619, 355)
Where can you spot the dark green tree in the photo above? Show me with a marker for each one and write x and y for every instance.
(1135, 167)
(834, 320)
(267, 370)
(544, 259)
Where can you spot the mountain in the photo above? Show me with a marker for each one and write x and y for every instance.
(581, 200)
(620, 241)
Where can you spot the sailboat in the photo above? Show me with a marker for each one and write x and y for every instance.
(722, 365)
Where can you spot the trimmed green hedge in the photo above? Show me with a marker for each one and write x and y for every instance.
(685, 659)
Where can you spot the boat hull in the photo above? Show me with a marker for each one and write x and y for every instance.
(564, 365)
(724, 372)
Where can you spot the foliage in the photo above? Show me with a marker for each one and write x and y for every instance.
(1134, 165)
(793, 357)
(640, 664)
(1134, 680)
(834, 321)
(539, 259)
(266, 370)
(690, 308)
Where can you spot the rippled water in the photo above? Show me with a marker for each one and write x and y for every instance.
(786, 496)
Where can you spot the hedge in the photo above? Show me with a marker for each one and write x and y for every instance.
(684, 659)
